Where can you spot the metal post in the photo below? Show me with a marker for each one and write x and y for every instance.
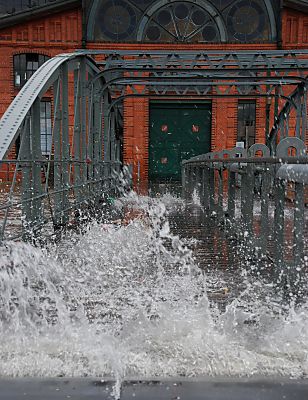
(26, 182)
(279, 223)
(90, 145)
(212, 189)
(191, 181)
(112, 150)
(183, 176)
(250, 198)
(77, 130)
(36, 166)
(298, 104)
(83, 132)
(198, 175)
(65, 143)
(299, 224)
(231, 196)
(106, 116)
(304, 115)
(202, 186)
(220, 205)
(97, 138)
(206, 188)
(57, 157)
(265, 192)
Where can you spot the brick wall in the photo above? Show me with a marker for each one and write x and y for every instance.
(50, 36)
(294, 29)
(63, 33)
(136, 111)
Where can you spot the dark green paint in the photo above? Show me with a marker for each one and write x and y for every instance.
(180, 141)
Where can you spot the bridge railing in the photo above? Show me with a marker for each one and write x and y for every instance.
(259, 199)
(83, 163)
(36, 209)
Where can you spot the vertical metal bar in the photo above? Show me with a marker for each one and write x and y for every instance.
(83, 140)
(56, 91)
(282, 129)
(106, 116)
(304, 115)
(197, 181)
(191, 181)
(90, 143)
(77, 129)
(206, 188)
(268, 108)
(231, 196)
(14, 180)
(184, 181)
(220, 205)
(279, 223)
(36, 168)
(112, 149)
(265, 190)
(250, 197)
(90, 131)
(57, 157)
(244, 194)
(97, 138)
(299, 225)
(287, 129)
(26, 182)
(202, 186)
(212, 188)
(298, 116)
(65, 143)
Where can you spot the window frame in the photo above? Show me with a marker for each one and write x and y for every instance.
(46, 126)
(246, 122)
(25, 65)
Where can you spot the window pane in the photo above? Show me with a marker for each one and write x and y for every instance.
(246, 122)
(25, 65)
(46, 130)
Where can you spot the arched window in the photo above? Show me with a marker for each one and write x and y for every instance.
(25, 65)
(181, 21)
(186, 21)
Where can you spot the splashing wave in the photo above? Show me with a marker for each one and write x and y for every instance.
(129, 301)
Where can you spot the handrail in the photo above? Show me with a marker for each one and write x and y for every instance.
(230, 188)
(35, 87)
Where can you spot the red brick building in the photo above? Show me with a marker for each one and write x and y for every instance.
(31, 30)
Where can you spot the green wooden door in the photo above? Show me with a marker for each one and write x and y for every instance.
(177, 132)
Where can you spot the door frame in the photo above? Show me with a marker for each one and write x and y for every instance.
(182, 104)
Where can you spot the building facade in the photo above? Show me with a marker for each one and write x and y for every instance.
(156, 135)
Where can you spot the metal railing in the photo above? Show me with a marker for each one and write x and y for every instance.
(33, 210)
(83, 167)
(248, 191)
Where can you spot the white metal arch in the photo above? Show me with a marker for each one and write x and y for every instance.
(35, 88)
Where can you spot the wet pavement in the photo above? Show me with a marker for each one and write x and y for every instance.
(210, 389)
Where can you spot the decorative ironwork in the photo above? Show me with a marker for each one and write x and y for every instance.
(215, 176)
(182, 21)
(81, 170)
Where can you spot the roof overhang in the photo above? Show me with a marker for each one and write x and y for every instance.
(299, 5)
(37, 12)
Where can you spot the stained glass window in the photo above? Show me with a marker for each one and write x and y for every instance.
(182, 21)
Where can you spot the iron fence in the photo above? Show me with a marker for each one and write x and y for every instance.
(258, 198)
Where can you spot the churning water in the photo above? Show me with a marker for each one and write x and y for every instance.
(128, 300)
